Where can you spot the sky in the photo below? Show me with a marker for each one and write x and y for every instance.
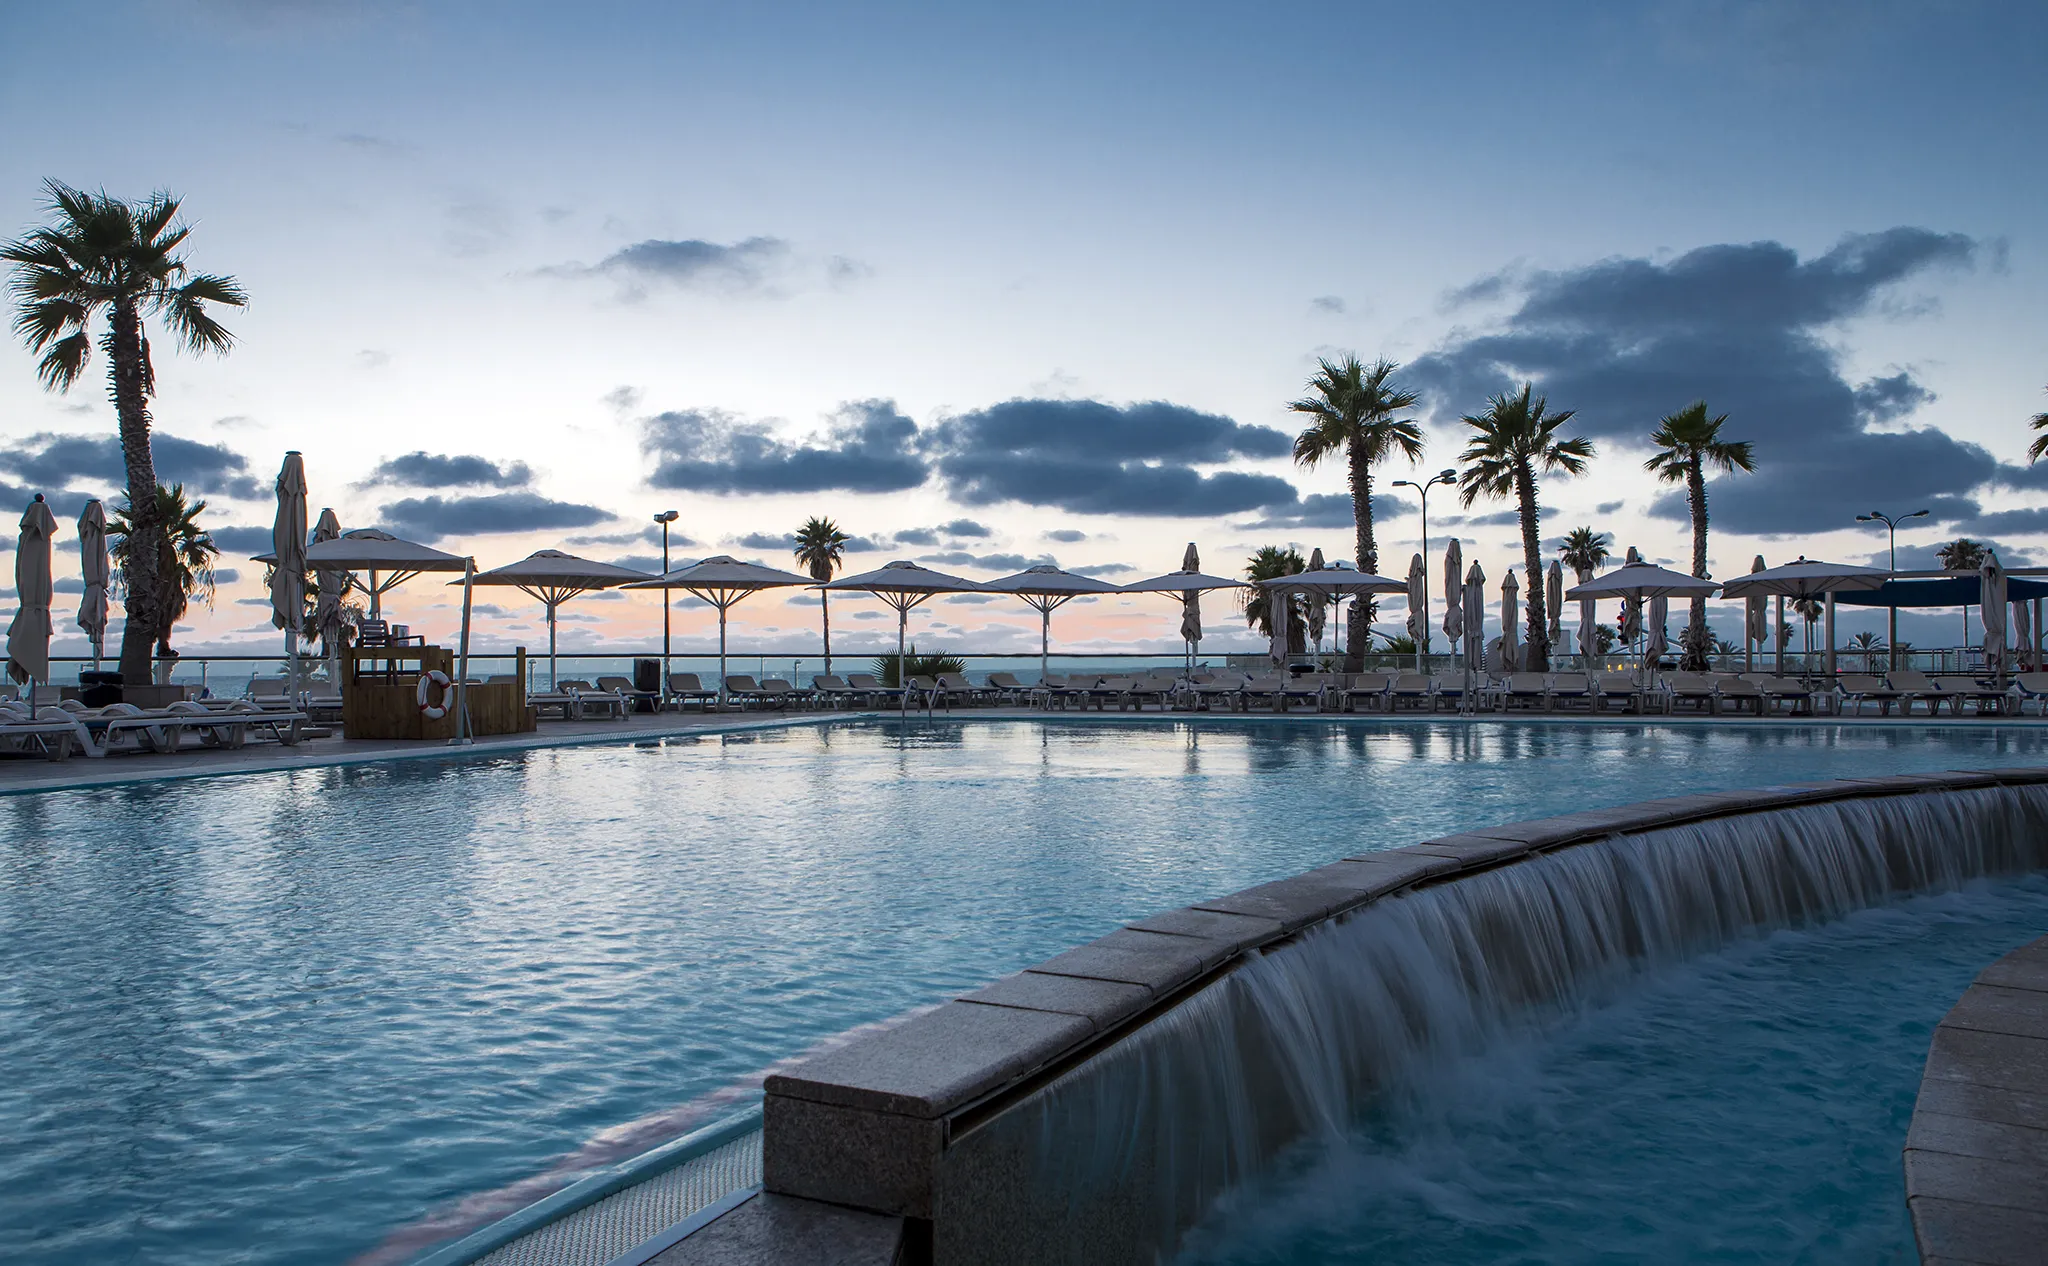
(993, 285)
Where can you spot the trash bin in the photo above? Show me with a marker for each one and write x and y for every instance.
(646, 680)
(98, 689)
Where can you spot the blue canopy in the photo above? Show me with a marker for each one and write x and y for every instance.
(1950, 591)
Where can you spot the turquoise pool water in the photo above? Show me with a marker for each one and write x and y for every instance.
(1747, 1106)
(319, 1016)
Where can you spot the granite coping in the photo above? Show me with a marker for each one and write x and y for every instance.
(1976, 1154)
(1010, 1031)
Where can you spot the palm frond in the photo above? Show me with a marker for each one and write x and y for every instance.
(64, 362)
(47, 320)
(1568, 456)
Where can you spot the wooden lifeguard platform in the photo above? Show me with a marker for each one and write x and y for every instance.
(380, 696)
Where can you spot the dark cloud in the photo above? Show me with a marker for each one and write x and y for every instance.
(649, 563)
(67, 584)
(867, 545)
(1066, 536)
(2030, 522)
(1497, 518)
(433, 517)
(917, 536)
(1327, 510)
(434, 470)
(47, 462)
(237, 541)
(1926, 558)
(1095, 458)
(1102, 569)
(1331, 304)
(991, 562)
(1607, 507)
(750, 265)
(1626, 341)
(651, 535)
(966, 527)
(226, 575)
(866, 447)
(760, 540)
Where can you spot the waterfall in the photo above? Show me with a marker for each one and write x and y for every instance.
(1121, 1154)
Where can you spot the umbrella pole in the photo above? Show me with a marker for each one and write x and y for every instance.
(1044, 638)
(1828, 660)
(1778, 635)
(376, 595)
(721, 656)
(462, 658)
(551, 648)
(902, 677)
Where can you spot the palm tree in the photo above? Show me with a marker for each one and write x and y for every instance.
(184, 559)
(1271, 561)
(1963, 554)
(1584, 549)
(1352, 410)
(2039, 448)
(103, 256)
(1688, 442)
(1809, 610)
(1515, 438)
(1869, 644)
(820, 548)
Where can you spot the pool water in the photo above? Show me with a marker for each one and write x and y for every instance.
(1747, 1106)
(329, 1016)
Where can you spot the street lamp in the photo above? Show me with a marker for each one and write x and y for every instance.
(665, 518)
(1891, 526)
(1422, 490)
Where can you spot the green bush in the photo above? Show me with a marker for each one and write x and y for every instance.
(917, 665)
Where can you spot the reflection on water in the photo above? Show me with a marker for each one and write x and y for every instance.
(270, 1018)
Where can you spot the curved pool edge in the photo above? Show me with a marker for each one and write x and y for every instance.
(873, 1126)
(1976, 1154)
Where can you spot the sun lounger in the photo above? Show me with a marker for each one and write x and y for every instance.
(1856, 689)
(22, 735)
(687, 688)
(1365, 688)
(871, 687)
(1009, 690)
(586, 700)
(742, 689)
(1224, 690)
(1689, 690)
(1412, 689)
(1526, 688)
(1568, 690)
(958, 689)
(831, 689)
(779, 692)
(1734, 693)
(1618, 690)
(1912, 685)
(2029, 687)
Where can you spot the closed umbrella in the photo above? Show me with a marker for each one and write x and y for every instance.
(2022, 636)
(1991, 607)
(1279, 615)
(1474, 602)
(1315, 604)
(334, 585)
(1660, 614)
(1454, 594)
(1190, 606)
(1589, 624)
(28, 636)
(1510, 607)
(95, 571)
(1418, 607)
(1553, 598)
(288, 574)
(1756, 618)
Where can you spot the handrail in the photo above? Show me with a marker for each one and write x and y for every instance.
(585, 1192)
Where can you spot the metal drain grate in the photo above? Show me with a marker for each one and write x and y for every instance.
(598, 1233)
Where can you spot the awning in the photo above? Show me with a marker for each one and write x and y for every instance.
(1952, 591)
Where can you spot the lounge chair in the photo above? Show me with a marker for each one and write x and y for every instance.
(1366, 688)
(1856, 689)
(2029, 687)
(1414, 689)
(586, 700)
(1008, 690)
(21, 734)
(1529, 688)
(780, 692)
(1207, 694)
(1569, 689)
(1989, 699)
(1689, 690)
(871, 687)
(624, 688)
(831, 688)
(1777, 690)
(687, 688)
(1736, 693)
(1913, 685)
(743, 690)
(957, 687)
(1619, 688)
(1270, 687)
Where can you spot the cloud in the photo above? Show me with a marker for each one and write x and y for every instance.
(651, 535)
(1328, 510)
(372, 358)
(47, 461)
(1330, 304)
(760, 540)
(241, 541)
(1066, 536)
(758, 265)
(1608, 507)
(991, 562)
(865, 447)
(433, 470)
(226, 575)
(623, 399)
(2029, 522)
(966, 527)
(1626, 341)
(1102, 569)
(1090, 457)
(916, 536)
(433, 517)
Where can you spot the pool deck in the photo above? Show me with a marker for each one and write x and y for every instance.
(18, 775)
(1977, 1151)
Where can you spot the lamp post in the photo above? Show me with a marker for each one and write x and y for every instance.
(1891, 526)
(665, 518)
(1422, 490)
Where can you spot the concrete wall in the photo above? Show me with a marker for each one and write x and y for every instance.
(950, 1120)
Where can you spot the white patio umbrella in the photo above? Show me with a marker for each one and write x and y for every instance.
(1635, 583)
(904, 585)
(373, 551)
(1187, 585)
(723, 581)
(1454, 594)
(334, 586)
(1589, 624)
(551, 578)
(1755, 615)
(97, 574)
(1044, 589)
(1991, 607)
(1333, 583)
(28, 635)
(1510, 606)
(1474, 603)
(1553, 599)
(288, 573)
(1418, 610)
(1808, 578)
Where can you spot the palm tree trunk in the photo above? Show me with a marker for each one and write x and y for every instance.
(1695, 659)
(128, 387)
(1538, 658)
(1363, 608)
(825, 615)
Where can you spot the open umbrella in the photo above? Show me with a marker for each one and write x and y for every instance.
(1553, 598)
(723, 581)
(551, 578)
(1755, 617)
(28, 636)
(1418, 607)
(1187, 585)
(334, 586)
(288, 546)
(1808, 578)
(1044, 589)
(1333, 583)
(1510, 606)
(97, 575)
(1454, 594)
(1637, 582)
(1991, 607)
(904, 585)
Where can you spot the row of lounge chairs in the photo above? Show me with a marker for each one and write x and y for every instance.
(59, 730)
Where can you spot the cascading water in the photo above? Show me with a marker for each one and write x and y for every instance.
(1124, 1152)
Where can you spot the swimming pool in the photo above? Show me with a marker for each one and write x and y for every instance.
(281, 1017)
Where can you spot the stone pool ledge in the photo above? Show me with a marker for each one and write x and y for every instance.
(1977, 1153)
(888, 1125)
